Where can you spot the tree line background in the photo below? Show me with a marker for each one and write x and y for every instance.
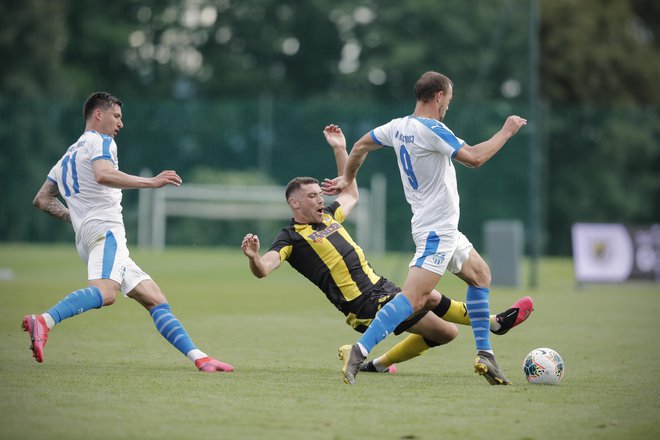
(226, 90)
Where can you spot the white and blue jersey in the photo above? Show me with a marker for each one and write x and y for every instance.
(424, 149)
(95, 211)
(74, 176)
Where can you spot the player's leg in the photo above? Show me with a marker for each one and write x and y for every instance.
(430, 331)
(104, 260)
(149, 295)
(426, 268)
(456, 311)
(476, 273)
(419, 284)
(416, 289)
(450, 311)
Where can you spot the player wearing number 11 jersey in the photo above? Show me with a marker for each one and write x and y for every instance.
(87, 177)
(425, 149)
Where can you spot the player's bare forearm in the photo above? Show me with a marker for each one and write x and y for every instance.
(341, 157)
(107, 175)
(257, 268)
(353, 164)
(484, 151)
(332, 187)
(121, 180)
(477, 155)
(349, 195)
(55, 208)
(358, 154)
(262, 266)
(47, 200)
(335, 138)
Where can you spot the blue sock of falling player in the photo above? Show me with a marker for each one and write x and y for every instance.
(478, 308)
(392, 314)
(76, 302)
(171, 329)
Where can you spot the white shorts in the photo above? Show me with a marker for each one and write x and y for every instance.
(102, 247)
(438, 252)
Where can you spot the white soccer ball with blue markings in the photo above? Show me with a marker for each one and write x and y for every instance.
(543, 366)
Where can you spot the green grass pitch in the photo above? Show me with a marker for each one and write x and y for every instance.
(108, 374)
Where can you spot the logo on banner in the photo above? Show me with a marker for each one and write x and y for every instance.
(615, 252)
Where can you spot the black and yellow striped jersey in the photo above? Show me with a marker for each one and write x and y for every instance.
(326, 254)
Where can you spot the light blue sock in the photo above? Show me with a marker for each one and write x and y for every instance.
(76, 302)
(392, 314)
(478, 307)
(171, 329)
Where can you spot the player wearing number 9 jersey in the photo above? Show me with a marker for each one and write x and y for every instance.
(425, 148)
(88, 178)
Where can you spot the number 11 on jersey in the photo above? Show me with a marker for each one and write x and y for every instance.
(74, 175)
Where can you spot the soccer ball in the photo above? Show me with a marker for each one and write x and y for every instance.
(543, 366)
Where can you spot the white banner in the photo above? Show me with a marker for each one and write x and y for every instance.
(616, 253)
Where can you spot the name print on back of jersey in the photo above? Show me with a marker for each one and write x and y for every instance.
(406, 139)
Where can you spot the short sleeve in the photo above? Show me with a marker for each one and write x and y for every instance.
(441, 137)
(336, 211)
(282, 245)
(52, 174)
(382, 135)
(103, 147)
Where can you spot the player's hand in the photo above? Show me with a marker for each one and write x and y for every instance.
(250, 245)
(334, 136)
(512, 124)
(331, 187)
(167, 177)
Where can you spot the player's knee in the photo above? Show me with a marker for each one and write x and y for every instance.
(452, 332)
(108, 298)
(108, 289)
(419, 301)
(432, 301)
(481, 277)
(442, 336)
(484, 278)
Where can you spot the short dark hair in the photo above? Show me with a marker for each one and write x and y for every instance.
(102, 100)
(429, 84)
(296, 183)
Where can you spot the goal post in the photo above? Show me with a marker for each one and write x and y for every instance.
(237, 202)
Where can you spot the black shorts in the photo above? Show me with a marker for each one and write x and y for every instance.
(362, 310)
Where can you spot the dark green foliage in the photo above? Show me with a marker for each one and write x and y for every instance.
(235, 85)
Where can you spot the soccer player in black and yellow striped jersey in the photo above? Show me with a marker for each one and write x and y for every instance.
(317, 245)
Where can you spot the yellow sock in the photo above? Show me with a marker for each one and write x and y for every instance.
(411, 347)
(457, 313)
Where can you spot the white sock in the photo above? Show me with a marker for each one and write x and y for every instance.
(378, 364)
(195, 354)
(50, 322)
(364, 351)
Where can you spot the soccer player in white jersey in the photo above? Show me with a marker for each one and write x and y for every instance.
(425, 149)
(88, 178)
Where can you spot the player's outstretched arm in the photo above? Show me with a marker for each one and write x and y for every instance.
(47, 200)
(107, 175)
(358, 154)
(259, 266)
(477, 155)
(349, 196)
